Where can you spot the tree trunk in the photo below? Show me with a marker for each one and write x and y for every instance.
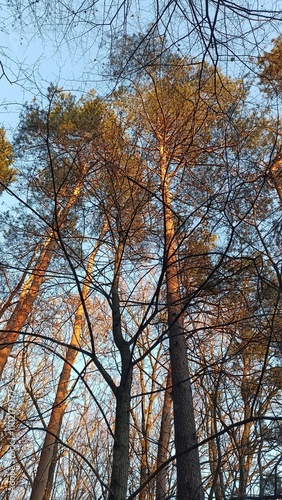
(43, 482)
(25, 303)
(120, 463)
(164, 439)
(32, 286)
(144, 457)
(215, 459)
(245, 450)
(48, 453)
(189, 485)
(16, 291)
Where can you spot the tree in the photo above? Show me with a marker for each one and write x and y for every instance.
(174, 204)
(43, 481)
(270, 69)
(124, 215)
(219, 33)
(7, 172)
(176, 110)
(60, 178)
(106, 190)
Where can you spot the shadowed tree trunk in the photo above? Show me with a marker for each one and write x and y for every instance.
(120, 462)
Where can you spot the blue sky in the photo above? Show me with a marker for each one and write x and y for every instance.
(30, 68)
(32, 62)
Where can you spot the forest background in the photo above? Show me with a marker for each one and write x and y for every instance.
(140, 269)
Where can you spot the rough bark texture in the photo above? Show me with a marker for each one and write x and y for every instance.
(188, 466)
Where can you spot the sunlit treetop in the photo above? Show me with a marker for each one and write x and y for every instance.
(63, 118)
(58, 140)
(175, 92)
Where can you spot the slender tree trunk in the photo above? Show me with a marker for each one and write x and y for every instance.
(214, 448)
(32, 286)
(120, 462)
(25, 303)
(145, 425)
(189, 485)
(245, 451)
(43, 482)
(48, 453)
(164, 439)
(16, 291)
(245, 459)
(51, 474)
(143, 470)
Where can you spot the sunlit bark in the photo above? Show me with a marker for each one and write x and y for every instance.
(189, 485)
(31, 287)
(42, 486)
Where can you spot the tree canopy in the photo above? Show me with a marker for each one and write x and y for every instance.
(7, 172)
(140, 277)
